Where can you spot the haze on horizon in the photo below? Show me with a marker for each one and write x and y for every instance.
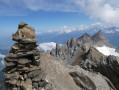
(50, 14)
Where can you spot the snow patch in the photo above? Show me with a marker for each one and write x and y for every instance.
(107, 51)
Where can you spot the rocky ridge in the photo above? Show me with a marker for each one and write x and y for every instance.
(70, 51)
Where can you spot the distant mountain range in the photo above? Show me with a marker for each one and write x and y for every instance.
(63, 34)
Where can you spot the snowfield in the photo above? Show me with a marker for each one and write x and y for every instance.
(107, 51)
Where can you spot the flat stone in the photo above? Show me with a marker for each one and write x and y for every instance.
(28, 40)
(34, 73)
(9, 63)
(12, 76)
(21, 54)
(12, 82)
(23, 61)
(19, 47)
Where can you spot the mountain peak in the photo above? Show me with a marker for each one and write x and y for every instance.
(86, 35)
(100, 39)
(85, 39)
(100, 32)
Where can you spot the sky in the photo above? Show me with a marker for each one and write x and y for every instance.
(49, 14)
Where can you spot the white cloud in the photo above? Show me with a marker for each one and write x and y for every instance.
(47, 46)
(103, 10)
(107, 51)
(2, 56)
(107, 11)
(2, 65)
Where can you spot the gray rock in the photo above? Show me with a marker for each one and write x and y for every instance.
(107, 66)
(101, 40)
(89, 80)
(12, 76)
(56, 74)
(117, 50)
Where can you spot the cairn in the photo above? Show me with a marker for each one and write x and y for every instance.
(22, 71)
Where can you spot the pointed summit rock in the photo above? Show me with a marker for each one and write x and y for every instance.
(85, 39)
(100, 40)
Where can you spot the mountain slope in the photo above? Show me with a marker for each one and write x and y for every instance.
(100, 39)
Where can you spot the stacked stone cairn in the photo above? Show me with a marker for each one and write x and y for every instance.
(22, 71)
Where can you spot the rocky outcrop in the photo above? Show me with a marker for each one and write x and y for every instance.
(68, 52)
(94, 61)
(86, 40)
(100, 40)
(57, 74)
(89, 80)
(73, 48)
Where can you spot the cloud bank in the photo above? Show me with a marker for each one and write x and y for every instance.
(47, 46)
(2, 65)
(104, 10)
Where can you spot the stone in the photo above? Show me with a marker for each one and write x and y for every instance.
(27, 85)
(9, 63)
(35, 84)
(18, 47)
(11, 76)
(21, 54)
(12, 82)
(56, 74)
(34, 73)
(23, 61)
(21, 25)
(24, 32)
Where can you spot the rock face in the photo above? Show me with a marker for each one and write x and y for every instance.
(100, 39)
(57, 74)
(86, 39)
(89, 80)
(68, 52)
(94, 61)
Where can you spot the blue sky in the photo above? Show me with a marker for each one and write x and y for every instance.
(48, 14)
